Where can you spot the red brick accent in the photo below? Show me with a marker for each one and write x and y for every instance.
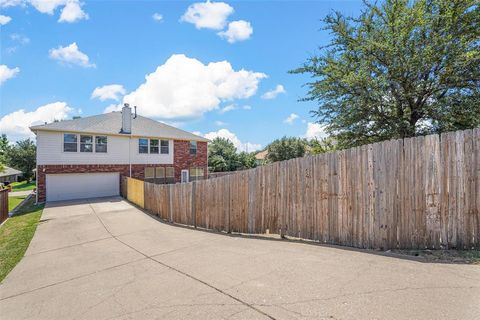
(181, 160)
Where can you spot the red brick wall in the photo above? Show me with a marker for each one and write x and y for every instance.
(181, 160)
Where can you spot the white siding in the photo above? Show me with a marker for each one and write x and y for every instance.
(50, 151)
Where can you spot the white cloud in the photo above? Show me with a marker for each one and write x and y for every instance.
(72, 12)
(237, 31)
(111, 91)
(71, 55)
(157, 17)
(112, 108)
(210, 15)
(247, 107)
(47, 6)
(315, 131)
(220, 123)
(272, 94)
(291, 118)
(228, 108)
(4, 19)
(7, 73)
(184, 87)
(241, 146)
(16, 124)
(20, 38)
(11, 3)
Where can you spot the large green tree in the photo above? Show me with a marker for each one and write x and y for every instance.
(22, 156)
(286, 148)
(402, 68)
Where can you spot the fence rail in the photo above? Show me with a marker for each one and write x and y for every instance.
(421, 192)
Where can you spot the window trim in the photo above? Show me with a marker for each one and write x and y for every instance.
(195, 150)
(167, 146)
(106, 144)
(148, 146)
(92, 137)
(71, 143)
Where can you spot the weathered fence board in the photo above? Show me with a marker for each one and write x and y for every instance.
(421, 192)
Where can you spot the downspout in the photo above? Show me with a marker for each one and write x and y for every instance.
(130, 154)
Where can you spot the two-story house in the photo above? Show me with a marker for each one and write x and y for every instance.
(85, 157)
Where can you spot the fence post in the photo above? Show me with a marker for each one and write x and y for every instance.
(194, 213)
(170, 209)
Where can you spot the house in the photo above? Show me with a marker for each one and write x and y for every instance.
(261, 157)
(10, 175)
(85, 157)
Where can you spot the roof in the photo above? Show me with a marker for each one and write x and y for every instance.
(111, 123)
(9, 172)
(262, 155)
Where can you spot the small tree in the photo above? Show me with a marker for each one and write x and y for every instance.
(246, 160)
(4, 145)
(402, 68)
(222, 155)
(316, 146)
(23, 157)
(286, 148)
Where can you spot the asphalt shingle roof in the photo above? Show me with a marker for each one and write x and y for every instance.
(9, 172)
(111, 123)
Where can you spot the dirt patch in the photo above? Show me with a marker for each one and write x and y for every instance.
(447, 256)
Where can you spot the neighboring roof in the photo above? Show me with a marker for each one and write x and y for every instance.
(9, 172)
(262, 155)
(111, 123)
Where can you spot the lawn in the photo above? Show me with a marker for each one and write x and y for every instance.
(15, 235)
(23, 186)
(14, 201)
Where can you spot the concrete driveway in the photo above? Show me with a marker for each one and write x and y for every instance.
(105, 259)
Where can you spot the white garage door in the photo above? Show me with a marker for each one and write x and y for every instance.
(69, 186)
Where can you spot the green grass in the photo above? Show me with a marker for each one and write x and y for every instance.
(23, 186)
(14, 201)
(15, 235)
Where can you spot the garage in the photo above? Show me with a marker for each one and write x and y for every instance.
(70, 186)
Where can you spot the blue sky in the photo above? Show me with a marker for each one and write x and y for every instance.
(209, 65)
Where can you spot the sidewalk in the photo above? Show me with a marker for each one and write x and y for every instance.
(19, 193)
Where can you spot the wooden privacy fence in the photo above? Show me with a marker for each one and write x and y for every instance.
(421, 192)
(3, 205)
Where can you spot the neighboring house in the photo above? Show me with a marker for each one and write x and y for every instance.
(261, 157)
(10, 175)
(85, 157)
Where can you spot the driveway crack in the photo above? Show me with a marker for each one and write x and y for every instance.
(182, 272)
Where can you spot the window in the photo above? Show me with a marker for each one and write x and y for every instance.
(164, 147)
(169, 175)
(86, 143)
(160, 175)
(149, 174)
(101, 144)
(193, 147)
(196, 174)
(69, 142)
(142, 145)
(154, 146)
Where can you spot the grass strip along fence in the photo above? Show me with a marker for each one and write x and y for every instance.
(421, 192)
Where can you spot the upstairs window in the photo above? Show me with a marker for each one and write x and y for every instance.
(101, 144)
(154, 146)
(142, 145)
(69, 142)
(86, 143)
(164, 147)
(193, 147)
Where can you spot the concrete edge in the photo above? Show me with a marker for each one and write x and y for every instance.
(14, 211)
